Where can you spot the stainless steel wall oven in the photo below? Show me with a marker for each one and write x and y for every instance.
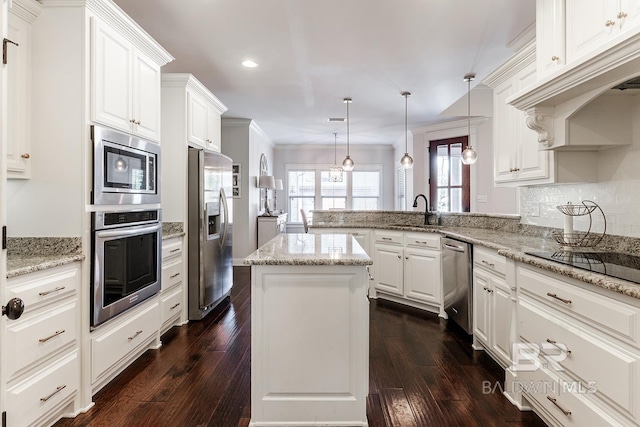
(125, 261)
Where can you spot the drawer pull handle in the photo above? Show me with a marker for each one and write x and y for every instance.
(174, 275)
(490, 264)
(554, 401)
(399, 257)
(58, 390)
(59, 288)
(566, 301)
(369, 273)
(555, 343)
(387, 238)
(487, 289)
(422, 243)
(60, 332)
(135, 335)
(174, 250)
(174, 306)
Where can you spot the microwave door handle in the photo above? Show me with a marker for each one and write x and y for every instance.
(128, 232)
(223, 198)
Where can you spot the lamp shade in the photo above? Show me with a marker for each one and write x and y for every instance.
(278, 185)
(267, 181)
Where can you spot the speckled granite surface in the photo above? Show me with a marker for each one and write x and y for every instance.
(310, 249)
(172, 229)
(509, 239)
(29, 254)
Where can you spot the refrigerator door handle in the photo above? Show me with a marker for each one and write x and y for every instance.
(223, 197)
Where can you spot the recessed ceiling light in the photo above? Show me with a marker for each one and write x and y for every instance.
(336, 119)
(249, 63)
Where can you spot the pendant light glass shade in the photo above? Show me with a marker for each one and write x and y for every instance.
(347, 163)
(335, 171)
(406, 161)
(469, 155)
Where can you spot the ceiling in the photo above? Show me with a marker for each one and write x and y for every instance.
(314, 53)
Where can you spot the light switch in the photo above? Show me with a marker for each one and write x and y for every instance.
(482, 198)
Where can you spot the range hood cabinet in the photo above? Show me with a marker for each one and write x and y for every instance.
(576, 108)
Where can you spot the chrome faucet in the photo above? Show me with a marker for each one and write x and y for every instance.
(426, 207)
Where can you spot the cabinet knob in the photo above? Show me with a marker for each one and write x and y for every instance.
(132, 121)
(399, 257)
(609, 23)
(137, 122)
(622, 15)
(555, 58)
(406, 257)
(25, 156)
(13, 309)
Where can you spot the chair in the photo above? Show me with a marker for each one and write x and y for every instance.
(305, 223)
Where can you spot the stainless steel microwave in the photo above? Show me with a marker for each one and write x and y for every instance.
(126, 169)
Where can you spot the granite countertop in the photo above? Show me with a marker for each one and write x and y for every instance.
(513, 246)
(19, 265)
(172, 229)
(30, 254)
(310, 249)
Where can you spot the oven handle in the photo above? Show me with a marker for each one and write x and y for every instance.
(124, 232)
(223, 197)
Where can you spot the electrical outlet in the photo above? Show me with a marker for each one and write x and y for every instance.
(532, 209)
(482, 198)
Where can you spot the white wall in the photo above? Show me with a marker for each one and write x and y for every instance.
(617, 191)
(244, 142)
(323, 154)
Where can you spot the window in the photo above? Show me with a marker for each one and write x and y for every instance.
(366, 190)
(449, 178)
(309, 188)
(301, 185)
(333, 195)
(401, 189)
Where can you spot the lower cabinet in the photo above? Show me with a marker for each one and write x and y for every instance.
(41, 348)
(493, 305)
(407, 268)
(172, 295)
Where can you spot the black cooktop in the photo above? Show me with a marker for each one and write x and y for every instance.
(614, 264)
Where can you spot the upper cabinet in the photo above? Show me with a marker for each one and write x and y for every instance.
(125, 84)
(21, 17)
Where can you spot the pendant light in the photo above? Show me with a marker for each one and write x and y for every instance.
(347, 163)
(406, 161)
(335, 171)
(469, 155)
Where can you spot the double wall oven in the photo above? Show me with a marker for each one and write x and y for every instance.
(126, 223)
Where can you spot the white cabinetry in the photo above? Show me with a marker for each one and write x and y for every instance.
(41, 348)
(517, 160)
(270, 226)
(407, 268)
(578, 332)
(493, 305)
(550, 44)
(125, 84)
(203, 121)
(172, 295)
(21, 16)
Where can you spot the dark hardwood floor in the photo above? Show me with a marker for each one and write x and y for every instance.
(421, 374)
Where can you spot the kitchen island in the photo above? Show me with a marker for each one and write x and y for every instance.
(309, 331)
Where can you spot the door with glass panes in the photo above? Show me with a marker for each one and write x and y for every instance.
(448, 176)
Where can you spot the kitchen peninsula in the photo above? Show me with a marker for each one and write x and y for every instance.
(309, 331)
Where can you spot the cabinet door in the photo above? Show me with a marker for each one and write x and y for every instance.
(146, 97)
(590, 23)
(481, 305)
(630, 10)
(214, 137)
(502, 306)
(504, 118)
(197, 115)
(550, 29)
(111, 82)
(18, 99)
(389, 266)
(422, 275)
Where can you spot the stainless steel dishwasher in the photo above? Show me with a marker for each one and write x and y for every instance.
(457, 282)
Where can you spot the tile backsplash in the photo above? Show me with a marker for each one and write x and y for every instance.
(619, 200)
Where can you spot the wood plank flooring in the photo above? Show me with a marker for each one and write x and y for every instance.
(421, 374)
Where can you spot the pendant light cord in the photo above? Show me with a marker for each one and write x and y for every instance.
(406, 115)
(348, 101)
(469, 111)
(335, 142)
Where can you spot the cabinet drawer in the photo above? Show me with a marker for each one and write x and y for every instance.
(33, 338)
(614, 317)
(108, 347)
(171, 273)
(33, 398)
(619, 381)
(171, 248)
(171, 304)
(489, 259)
(389, 237)
(422, 240)
(40, 288)
(541, 387)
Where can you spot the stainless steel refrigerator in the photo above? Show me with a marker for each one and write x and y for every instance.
(210, 226)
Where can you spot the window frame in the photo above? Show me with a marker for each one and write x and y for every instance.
(433, 170)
